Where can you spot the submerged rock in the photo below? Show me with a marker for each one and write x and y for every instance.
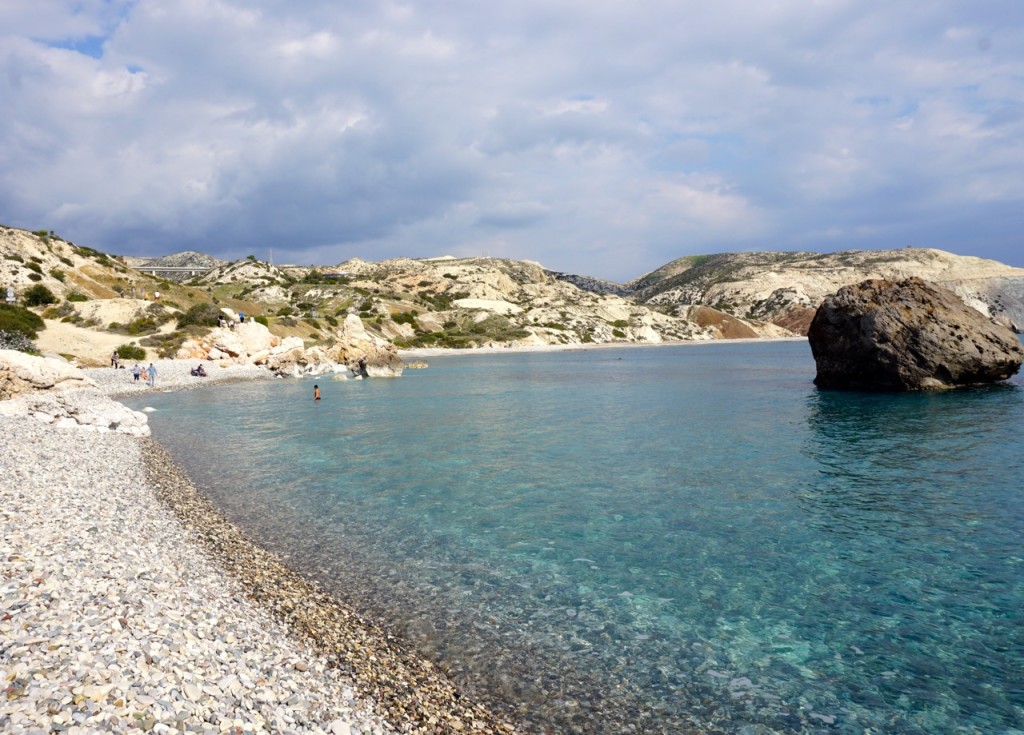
(907, 335)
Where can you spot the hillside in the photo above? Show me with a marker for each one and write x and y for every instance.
(786, 288)
(100, 302)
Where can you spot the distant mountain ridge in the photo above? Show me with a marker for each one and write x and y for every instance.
(785, 288)
(482, 301)
(184, 259)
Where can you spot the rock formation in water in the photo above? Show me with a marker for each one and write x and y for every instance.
(251, 343)
(907, 335)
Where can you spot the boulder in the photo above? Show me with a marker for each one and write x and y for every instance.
(907, 335)
(54, 392)
(355, 343)
(23, 373)
(254, 337)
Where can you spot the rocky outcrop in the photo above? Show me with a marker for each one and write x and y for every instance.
(21, 373)
(907, 335)
(359, 350)
(57, 393)
(251, 343)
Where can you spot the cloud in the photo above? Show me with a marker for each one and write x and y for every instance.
(594, 137)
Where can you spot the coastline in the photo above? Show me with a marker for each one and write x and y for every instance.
(416, 353)
(132, 604)
(86, 511)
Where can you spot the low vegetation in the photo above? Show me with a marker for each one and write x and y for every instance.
(18, 327)
(38, 295)
(131, 352)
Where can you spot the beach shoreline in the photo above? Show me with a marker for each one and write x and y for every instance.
(417, 353)
(117, 510)
(293, 636)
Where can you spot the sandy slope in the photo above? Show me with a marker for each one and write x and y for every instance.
(92, 347)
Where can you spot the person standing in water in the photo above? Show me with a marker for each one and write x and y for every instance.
(316, 392)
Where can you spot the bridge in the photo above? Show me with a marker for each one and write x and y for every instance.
(172, 272)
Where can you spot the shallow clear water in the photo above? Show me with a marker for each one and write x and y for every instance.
(652, 540)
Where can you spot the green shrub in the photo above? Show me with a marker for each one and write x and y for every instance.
(18, 319)
(285, 311)
(15, 256)
(261, 320)
(331, 320)
(38, 295)
(34, 277)
(66, 261)
(34, 267)
(200, 315)
(131, 352)
(139, 325)
(618, 333)
(57, 312)
(406, 317)
(76, 296)
(58, 274)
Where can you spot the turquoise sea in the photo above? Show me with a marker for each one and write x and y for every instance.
(675, 539)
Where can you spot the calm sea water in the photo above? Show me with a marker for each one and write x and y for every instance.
(676, 539)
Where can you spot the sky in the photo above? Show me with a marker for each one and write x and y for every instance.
(596, 137)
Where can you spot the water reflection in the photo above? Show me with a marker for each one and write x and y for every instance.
(903, 465)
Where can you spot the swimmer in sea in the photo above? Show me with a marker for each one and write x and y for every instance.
(316, 392)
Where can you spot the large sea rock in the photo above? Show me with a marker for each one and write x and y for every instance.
(907, 335)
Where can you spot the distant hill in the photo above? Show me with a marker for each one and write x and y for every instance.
(785, 288)
(465, 302)
(184, 259)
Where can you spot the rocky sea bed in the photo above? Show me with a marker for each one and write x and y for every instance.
(128, 604)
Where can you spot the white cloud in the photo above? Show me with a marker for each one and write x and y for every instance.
(594, 137)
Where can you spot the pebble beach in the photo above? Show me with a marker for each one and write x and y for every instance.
(127, 604)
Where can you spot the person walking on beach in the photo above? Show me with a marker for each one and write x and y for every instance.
(136, 372)
(151, 374)
(316, 392)
(113, 359)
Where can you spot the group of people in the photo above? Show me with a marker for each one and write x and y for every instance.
(138, 371)
(222, 322)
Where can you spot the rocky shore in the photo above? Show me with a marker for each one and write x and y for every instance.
(171, 375)
(127, 604)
